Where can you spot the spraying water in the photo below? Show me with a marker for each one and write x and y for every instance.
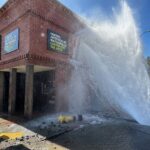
(109, 73)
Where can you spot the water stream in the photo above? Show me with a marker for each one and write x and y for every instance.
(110, 74)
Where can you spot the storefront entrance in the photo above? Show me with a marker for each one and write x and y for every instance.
(44, 91)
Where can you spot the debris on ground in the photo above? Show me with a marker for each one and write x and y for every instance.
(35, 134)
(40, 132)
(11, 135)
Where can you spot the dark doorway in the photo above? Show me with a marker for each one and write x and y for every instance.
(44, 91)
(20, 93)
(6, 92)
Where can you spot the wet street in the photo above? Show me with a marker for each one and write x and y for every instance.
(108, 136)
(93, 133)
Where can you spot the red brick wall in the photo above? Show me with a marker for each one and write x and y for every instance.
(50, 15)
(33, 18)
(57, 13)
(38, 38)
(12, 12)
(24, 30)
(16, 16)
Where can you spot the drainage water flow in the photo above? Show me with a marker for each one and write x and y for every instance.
(110, 74)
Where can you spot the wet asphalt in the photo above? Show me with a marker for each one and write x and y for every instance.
(108, 136)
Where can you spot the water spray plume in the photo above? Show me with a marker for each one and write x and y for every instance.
(113, 78)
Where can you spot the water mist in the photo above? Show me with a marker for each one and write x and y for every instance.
(109, 74)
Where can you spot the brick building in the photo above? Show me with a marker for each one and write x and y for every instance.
(36, 42)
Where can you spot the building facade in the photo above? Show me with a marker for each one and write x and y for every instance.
(36, 43)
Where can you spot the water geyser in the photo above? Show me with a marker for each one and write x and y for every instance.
(110, 74)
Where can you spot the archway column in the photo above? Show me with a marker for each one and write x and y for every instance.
(28, 106)
(12, 90)
(1, 90)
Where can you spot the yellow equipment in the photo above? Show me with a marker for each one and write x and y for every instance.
(65, 119)
(12, 135)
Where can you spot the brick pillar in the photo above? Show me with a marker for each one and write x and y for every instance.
(1, 90)
(12, 91)
(62, 75)
(28, 106)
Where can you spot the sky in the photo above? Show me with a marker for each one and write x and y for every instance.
(140, 8)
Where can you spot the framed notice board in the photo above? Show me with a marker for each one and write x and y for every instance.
(11, 41)
(57, 43)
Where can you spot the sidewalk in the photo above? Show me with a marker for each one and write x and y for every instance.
(30, 141)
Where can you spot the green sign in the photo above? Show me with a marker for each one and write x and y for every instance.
(56, 42)
(11, 41)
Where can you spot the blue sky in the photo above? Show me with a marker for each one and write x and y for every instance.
(140, 7)
(141, 10)
(2, 2)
